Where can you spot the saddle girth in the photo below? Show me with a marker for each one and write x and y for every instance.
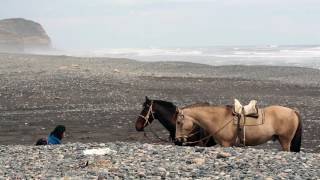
(249, 115)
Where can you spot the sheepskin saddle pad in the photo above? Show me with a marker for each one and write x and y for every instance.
(248, 115)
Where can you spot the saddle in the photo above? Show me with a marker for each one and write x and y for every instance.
(248, 115)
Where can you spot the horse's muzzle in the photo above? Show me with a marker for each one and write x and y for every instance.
(139, 127)
(180, 141)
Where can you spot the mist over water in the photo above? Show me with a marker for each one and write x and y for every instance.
(300, 56)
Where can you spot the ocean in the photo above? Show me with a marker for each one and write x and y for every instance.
(301, 56)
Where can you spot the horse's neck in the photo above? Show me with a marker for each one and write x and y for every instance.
(167, 121)
(166, 118)
(209, 118)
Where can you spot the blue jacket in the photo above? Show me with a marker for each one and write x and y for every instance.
(53, 140)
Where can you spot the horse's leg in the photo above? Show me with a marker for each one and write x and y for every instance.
(285, 143)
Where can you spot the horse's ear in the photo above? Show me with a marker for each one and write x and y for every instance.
(148, 101)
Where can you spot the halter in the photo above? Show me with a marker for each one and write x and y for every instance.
(146, 117)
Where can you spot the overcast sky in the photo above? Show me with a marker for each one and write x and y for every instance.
(80, 24)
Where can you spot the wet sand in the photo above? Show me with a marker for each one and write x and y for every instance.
(99, 99)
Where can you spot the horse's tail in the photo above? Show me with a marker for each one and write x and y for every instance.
(296, 141)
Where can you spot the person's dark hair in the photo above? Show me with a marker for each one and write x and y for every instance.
(41, 141)
(58, 131)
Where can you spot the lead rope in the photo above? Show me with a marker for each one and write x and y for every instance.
(157, 136)
(192, 142)
(154, 133)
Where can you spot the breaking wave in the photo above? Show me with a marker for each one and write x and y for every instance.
(305, 56)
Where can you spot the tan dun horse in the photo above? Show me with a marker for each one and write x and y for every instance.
(281, 123)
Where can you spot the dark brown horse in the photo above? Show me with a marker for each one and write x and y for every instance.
(280, 122)
(166, 113)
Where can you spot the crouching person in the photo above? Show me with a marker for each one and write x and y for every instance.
(56, 135)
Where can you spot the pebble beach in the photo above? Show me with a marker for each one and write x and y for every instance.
(99, 99)
(120, 160)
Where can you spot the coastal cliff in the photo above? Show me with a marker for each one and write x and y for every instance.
(21, 35)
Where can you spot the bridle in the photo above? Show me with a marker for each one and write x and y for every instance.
(146, 117)
(192, 134)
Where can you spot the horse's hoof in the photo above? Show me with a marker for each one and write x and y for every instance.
(178, 143)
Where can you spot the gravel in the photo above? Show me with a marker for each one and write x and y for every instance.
(121, 160)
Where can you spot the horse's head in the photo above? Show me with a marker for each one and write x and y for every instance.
(184, 127)
(146, 115)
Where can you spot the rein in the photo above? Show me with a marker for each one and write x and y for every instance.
(156, 135)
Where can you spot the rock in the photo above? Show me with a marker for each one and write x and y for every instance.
(278, 157)
(268, 178)
(33, 162)
(141, 174)
(284, 175)
(198, 161)
(63, 67)
(100, 177)
(99, 151)
(116, 71)
(288, 170)
(75, 66)
(223, 155)
(161, 171)
(200, 150)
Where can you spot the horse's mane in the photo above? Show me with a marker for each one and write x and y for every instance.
(206, 104)
(200, 104)
(167, 104)
(173, 107)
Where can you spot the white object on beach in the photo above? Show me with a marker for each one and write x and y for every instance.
(100, 151)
